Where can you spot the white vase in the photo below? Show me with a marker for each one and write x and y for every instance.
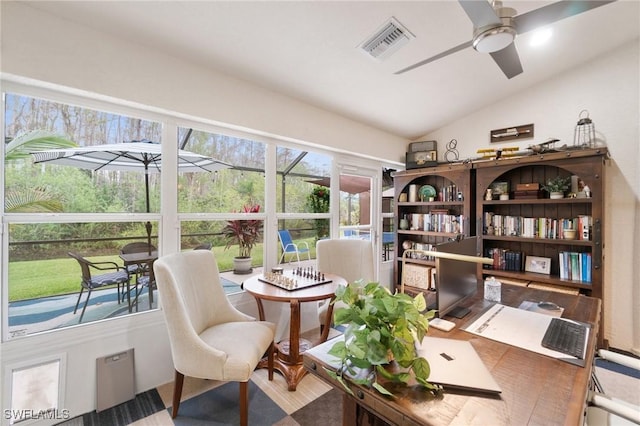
(556, 195)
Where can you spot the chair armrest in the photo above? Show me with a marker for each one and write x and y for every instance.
(295, 247)
(99, 266)
(305, 243)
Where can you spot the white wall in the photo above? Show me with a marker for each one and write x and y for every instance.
(609, 89)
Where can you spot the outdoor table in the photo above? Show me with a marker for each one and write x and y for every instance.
(141, 259)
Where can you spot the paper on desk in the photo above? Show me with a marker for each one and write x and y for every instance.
(517, 327)
(529, 305)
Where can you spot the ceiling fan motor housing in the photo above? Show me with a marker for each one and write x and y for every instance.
(495, 37)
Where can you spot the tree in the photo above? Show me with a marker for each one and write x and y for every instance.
(318, 202)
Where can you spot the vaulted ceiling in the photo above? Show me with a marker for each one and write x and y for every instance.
(309, 50)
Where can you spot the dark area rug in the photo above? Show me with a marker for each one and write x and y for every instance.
(220, 406)
(143, 405)
(325, 410)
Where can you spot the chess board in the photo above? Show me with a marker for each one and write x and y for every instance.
(295, 279)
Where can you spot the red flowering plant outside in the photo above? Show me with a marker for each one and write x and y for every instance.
(245, 233)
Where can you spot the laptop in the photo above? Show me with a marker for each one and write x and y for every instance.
(455, 364)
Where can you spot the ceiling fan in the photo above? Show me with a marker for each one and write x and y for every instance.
(495, 28)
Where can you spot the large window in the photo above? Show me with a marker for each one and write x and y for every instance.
(71, 185)
(101, 198)
(230, 188)
(303, 198)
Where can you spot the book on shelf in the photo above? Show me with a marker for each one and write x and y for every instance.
(504, 260)
(585, 223)
(575, 266)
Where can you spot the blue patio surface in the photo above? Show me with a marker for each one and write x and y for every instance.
(47, 313)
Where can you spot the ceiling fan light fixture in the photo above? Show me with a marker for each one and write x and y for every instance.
(489, 40)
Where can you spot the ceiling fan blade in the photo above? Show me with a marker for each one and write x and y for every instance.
(553, 12)
(508, 60)
(480, 12)
(435, 58)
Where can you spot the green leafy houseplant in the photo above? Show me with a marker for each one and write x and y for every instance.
(380, 325)
(557, 184)
(243, 232)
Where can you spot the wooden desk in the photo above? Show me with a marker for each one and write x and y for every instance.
(142, 259)
(289, 352)
(535, 389)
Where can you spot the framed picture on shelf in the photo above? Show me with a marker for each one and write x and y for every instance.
(499, 188)
(540, 265)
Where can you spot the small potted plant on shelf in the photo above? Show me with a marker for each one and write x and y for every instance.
(381, 336)
(246, 234)
(557, 186)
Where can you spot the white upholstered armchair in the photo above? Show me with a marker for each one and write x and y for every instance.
(209, 337)
(351, 259)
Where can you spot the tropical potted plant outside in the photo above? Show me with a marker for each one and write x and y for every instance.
(245, 233)
(557, 186)
(382, 328)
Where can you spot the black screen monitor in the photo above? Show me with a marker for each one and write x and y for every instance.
(456, 280)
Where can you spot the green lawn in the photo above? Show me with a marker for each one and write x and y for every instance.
(40, 278)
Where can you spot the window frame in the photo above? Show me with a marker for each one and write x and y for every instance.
(168, 218)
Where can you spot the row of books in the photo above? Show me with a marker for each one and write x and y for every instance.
(575, 266)
(450, 193)
(537, 227)
(439, 222)
(504, 259)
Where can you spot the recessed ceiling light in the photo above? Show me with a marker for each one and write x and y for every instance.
(541, 37)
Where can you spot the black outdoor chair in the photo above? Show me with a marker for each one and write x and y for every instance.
(145, 280)
(119, 276)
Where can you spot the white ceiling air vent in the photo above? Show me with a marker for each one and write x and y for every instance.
(387, 40)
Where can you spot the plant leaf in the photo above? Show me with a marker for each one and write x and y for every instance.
(382, 390)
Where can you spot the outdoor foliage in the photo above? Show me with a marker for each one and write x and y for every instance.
(318, 202)
(38, 198)
(380, 324)
(245, 233)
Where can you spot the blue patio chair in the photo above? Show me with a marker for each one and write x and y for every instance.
(288, 246)
(119, 276)
(350, 233)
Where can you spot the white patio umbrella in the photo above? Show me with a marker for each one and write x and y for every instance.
(143, 155)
